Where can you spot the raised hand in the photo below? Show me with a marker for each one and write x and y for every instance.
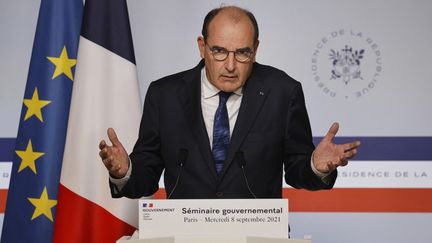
(328, 155)
(115, 157)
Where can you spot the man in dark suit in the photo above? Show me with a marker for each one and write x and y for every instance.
(227, 128)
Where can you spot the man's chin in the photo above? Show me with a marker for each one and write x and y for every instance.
(229, 88)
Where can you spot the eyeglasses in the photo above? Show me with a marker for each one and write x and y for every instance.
(221, 54)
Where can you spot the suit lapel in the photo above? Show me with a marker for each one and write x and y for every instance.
(254, 95)
(190, 99)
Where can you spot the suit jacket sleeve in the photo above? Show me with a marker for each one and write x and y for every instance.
(299, 147)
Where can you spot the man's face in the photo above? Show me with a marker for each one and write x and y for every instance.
(223, 32)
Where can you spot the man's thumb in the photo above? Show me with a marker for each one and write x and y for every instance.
(113, 137)
(332, 132)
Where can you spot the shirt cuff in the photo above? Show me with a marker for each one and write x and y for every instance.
(120, 183)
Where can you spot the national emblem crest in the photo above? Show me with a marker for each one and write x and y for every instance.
(346, 64)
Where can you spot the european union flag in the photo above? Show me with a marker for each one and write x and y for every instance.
(32, 197)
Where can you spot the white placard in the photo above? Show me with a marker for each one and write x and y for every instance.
(5, 172)
(229, 217)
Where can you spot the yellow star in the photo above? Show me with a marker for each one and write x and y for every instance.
(43, 205)
(63, 64)
(28, 157)
(34, 106)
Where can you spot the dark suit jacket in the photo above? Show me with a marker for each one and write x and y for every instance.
(272, 131)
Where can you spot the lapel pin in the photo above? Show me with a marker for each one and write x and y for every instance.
(261, 93)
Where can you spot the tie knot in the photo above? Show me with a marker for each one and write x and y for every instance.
(223, 96)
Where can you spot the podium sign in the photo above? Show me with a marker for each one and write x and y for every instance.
(229, 217)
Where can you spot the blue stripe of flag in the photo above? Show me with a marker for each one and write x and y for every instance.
(6, 149)
(115, 36)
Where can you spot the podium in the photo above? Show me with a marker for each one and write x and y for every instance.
(212, 221)
(212, 239)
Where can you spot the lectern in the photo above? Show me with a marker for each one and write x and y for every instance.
(212, 221)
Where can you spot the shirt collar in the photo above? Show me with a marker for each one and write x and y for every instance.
(208, 90)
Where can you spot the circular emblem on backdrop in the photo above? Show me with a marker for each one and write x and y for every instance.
(346, 64)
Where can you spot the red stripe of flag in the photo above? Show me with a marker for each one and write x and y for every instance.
(85, 221)
(3, 199)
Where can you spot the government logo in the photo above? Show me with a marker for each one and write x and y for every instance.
(346, 64)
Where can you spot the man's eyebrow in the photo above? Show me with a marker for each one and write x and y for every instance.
(219, 47)
(244, 49)
(238, 49)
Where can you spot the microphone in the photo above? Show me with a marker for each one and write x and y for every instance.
(181, 159)
(242, 163)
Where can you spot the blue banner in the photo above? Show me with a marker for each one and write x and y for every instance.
(38, 153)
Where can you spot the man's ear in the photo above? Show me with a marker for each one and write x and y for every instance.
(201, 46)
(256, 50)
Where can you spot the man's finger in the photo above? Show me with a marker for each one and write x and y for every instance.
(331, 167)
(103, 153)
(108, 166)
(343, 162)
(351, 146)
(113, 137)
(102, 144)
(109, 163)
(350, 154)
(104, 161)
(331, 132)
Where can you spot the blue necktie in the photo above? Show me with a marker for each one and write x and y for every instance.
(221, 132)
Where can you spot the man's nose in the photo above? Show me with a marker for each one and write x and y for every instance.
(231, 62)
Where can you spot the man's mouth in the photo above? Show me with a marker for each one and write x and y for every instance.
(229, 77)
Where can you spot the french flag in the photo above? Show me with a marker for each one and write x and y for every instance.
(105, 94)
